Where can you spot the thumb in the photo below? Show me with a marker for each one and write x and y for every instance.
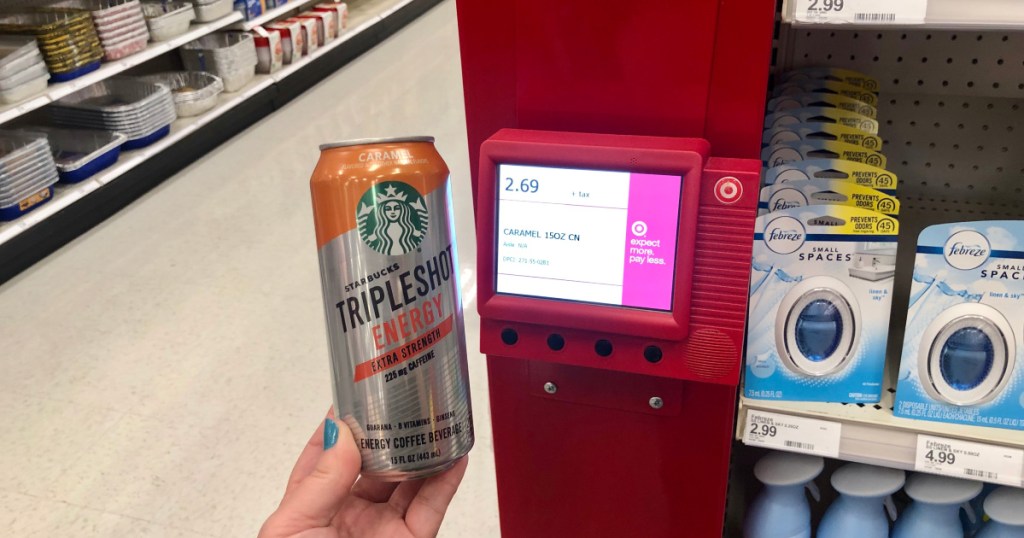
(316, 499)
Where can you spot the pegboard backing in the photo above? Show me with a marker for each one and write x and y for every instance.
(951, 110)
(920, 61)
(955, 150)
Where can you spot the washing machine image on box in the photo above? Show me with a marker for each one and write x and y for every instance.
(967, 354)
(818, 327)
(874, 264)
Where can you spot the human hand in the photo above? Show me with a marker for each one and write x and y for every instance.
(323, 499)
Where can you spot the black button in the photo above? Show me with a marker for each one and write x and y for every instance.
(603, 348)
(652, 354)
(509, 336)
(556, 342)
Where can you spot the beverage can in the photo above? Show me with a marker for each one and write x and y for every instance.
(382, 209)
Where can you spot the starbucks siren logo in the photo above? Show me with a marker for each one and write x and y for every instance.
(392, 218)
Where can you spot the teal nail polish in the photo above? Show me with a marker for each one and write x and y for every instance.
(330, 433)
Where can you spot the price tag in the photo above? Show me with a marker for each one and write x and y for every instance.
(964, 459)
(793, 434)
(861, 11)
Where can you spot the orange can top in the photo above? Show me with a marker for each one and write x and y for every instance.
(346, 170)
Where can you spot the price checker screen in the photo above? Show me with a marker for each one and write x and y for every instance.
(594, 236)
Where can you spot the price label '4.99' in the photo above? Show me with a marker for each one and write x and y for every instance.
(861, 11)
(964, 459)
(794, 434)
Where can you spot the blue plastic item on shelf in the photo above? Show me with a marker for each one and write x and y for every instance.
(80, 153)
(935, 512)
(75, 73)
(148, 139)
(860, 510)
(18, 209)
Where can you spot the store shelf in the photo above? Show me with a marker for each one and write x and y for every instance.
(66, 195)
(276, 13)
(951, 14)
(56, 91)
(362, 18)
(871, 434)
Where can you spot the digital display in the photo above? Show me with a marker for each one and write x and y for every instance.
(594, 236)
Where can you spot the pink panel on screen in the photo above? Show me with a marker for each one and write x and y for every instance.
(652, 222)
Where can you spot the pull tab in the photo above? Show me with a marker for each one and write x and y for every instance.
(822, 154)
(890, 507)
(829, 196)
(831, 173)
(815, 492)
(972, 516)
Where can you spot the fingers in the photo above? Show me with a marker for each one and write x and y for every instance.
(429, 505)
(404, 494)
(309, 456)
(315, 499)
(372, 490)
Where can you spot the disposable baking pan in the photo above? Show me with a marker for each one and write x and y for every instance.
(17, 209)
(194, 92)
(80, 153)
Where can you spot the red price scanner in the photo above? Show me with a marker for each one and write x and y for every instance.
(612, 287)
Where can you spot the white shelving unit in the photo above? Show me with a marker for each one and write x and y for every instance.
(107, 70)
(951, 109)
(273, 14)
(949, 14)
(362, 17)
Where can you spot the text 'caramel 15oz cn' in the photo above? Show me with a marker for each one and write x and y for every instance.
(388, 264)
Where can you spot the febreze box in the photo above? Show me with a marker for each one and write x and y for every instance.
(802, 150)
(818, 314)
(827, 100)
(962, 349)
(817, 114)
(823, 131)
(826, 86)
(862, 174)
(835, 74)
(781, 196)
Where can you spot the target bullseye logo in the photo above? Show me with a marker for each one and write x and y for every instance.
(728, 190)
(639, 228)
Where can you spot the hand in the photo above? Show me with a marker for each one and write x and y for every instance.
(324, 500)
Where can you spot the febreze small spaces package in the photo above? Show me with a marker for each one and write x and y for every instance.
(962, 349)
(825, 192)
(859, 173)
(820, 294)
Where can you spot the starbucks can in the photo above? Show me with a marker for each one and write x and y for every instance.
(388, 265)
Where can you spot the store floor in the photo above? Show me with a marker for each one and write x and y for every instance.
(160, 374)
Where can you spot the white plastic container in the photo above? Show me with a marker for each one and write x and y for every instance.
(210, 11)
(24, 91)
(25, 75)
(167, 21)
(236, 80)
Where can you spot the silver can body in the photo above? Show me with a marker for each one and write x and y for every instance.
(393, 308)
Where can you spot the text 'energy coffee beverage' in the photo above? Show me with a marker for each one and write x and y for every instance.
(388, 264)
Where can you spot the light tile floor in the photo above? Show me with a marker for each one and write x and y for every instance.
(160, 374)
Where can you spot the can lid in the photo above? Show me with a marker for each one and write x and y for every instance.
(371, 141)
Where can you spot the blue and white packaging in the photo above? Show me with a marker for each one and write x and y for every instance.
(818, 314)
(961, 359)
(824, 192)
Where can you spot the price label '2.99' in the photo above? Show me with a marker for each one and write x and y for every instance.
(794, 434)
(861, 11)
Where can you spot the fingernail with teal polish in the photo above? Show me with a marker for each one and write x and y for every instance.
(330, 433)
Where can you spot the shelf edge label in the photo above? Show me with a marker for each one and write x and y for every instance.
(792, 434)
(969, 460)
(860, 11)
